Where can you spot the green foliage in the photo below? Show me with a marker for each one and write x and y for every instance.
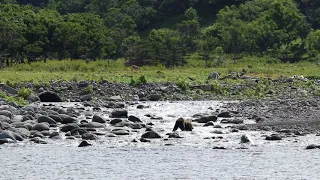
(89, 89)
(24, 92)
(139, 81)
(16, 100)
(183, 85)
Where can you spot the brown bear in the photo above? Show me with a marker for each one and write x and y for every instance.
(183, 124)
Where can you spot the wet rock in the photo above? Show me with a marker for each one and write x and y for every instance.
(206, 119)
(120, 132)
(151, 135)
(144, 140)
(225, 114)
(36, 134)
(219, 147)
(56, 118)
(93, 125)
(115, 121)
(89, 136)
(217, 132)
(241, 127)
(313, 146)
(210, 123)
(49, 96)
(134, 119)
(232, 121)
(174, 135)
(5, 125)
(41, 127)
(136, 126)
(119, 113)
(38, 140)
(67, 119)
(273, 137)
(134, 140)
(69, 127)
(4, 141)
(54, 134)
(98, 119)
(47, 119)
(11, 135)
(26, 117)
(218, 126)
(141, 106)
(23, 132)
(84, 144)
(246, 139)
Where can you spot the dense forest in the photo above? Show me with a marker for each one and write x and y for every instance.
(158, 31)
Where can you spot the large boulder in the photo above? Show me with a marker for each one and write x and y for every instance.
(134, 119)
(150, 135)
(41, 127)
(205, 119)
(67, 119)
(10, 135)
(46, 119)
(49, 96)
(69, 127)
(93, 125)
(119, 113)
(120, 132)
(98, 119)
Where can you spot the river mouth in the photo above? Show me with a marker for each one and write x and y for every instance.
(198, 155)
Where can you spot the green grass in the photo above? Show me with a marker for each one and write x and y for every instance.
(115, 71)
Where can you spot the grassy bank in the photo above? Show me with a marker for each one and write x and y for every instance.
(115, 71)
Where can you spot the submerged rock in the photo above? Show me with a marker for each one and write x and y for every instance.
(246, 139)
(84, 144)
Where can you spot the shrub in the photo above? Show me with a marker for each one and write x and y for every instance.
(24, 92)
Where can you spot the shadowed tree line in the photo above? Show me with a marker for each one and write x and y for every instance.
(158, 32)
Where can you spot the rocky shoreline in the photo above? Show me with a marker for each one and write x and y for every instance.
(105, 112)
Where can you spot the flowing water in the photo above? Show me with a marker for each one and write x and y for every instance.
(191, 157)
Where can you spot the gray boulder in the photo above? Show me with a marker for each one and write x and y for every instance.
(41, 127)
(47, 119)
(151, 135)
(119, 113)
(206, 119)
(69, 127)
(134, 119)
(98, 119)
(10, 135)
